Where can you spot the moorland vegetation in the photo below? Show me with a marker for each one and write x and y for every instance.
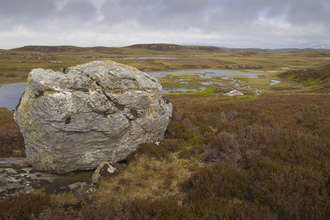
(246, 157)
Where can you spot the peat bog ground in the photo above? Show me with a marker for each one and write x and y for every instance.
(244, 157)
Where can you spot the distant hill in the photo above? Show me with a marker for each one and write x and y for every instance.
(158, 46)
(48, 48)
(162, 47)
(272, 50)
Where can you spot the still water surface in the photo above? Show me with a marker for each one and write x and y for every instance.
(208, 73)
(10, 94)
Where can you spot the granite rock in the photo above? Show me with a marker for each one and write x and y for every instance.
(90, 113)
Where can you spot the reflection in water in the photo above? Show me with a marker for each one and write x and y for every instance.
(10, 94)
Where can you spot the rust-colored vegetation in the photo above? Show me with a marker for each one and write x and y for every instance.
(11, 140)
(246, 157)
(24, 206)
(266, 158)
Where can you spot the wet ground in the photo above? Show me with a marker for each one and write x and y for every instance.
(11, 93)
(28, 180)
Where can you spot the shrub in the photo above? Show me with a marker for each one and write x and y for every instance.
(23, 206)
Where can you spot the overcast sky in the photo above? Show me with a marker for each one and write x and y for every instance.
(114, 23)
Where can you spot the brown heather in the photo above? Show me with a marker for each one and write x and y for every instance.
(10, 137)
(223, 157)
(257, 158)
(23, 206)
(267, 158)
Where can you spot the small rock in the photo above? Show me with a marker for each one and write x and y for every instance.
(85, 194)
(258, 92)
(105, 170)
(232, 93)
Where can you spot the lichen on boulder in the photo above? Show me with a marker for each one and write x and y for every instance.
(87, 114)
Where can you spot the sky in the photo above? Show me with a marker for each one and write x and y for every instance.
(115, 23)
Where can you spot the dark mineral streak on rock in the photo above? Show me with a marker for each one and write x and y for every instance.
(134, 113)
(65, 70)
(39, 94)
(68, 120)
(119, 106)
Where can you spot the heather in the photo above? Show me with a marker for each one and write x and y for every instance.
(243, 157)
(223, 158)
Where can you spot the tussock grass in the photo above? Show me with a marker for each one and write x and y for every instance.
(147, 178)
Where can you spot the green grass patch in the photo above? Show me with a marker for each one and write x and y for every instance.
(292, 77)
(313, 81)
(204, 92)
(313, 89)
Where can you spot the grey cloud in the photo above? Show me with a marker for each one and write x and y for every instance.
(79, 11)
(26, 10)
(308, 12)
(241, 14)
(120, 11)
(156, 14)
(185, 5)
(232, 15)
(299, 12)
(38, 13)
(240, 20)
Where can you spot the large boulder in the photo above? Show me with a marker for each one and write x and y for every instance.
(88, 114)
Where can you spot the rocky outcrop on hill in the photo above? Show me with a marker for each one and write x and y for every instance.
(158, 46)
(88, 114)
